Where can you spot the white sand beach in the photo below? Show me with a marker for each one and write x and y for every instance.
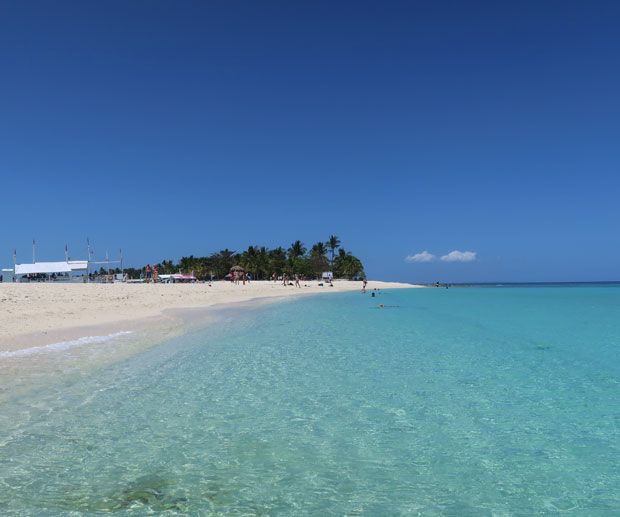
(33, 314)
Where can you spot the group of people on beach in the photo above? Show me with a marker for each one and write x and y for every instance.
(240, 276)
(150, 273)
(288, 280)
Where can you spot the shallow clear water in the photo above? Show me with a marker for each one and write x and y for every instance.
(443, 402)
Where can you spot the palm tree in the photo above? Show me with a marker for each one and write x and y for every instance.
(249, 260)
(339, 262)
(319, 250)
(333, 244)
(166, 267)
(277, 261)
(223, 261)
(353, 266)
(186, 264)
(201, 268)
(262, 262)
(297, 249)
(318, 258)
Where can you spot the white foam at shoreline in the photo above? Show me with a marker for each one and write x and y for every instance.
(64, 345)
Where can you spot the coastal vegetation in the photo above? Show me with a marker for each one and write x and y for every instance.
(261, 262)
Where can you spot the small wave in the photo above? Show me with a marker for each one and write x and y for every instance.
(64, 345)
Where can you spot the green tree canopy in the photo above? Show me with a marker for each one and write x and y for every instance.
(262, 262)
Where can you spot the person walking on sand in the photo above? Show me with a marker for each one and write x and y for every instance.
(147, 272)
(297, 281)
(155, 274)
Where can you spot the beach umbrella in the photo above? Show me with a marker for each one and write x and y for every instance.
(237, 268)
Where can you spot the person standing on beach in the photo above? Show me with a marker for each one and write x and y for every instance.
(155, 274)
(297, 281)
(147, 272)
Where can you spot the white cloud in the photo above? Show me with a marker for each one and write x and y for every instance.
(459, 256)
(425, 256)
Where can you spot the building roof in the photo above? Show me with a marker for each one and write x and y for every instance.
(51, 267)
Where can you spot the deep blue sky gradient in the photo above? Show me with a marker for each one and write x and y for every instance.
(177, 128)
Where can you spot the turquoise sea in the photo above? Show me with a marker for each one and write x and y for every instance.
(465, 401)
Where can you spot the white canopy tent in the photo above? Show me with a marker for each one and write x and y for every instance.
(78, 265)
(60, 268)
(51, 267)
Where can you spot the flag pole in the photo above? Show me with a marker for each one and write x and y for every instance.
(88, 260)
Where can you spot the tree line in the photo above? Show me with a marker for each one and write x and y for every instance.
(262, 262)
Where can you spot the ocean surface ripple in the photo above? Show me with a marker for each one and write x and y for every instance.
(470, 401)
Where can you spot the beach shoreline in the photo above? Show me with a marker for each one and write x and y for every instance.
(39, 314)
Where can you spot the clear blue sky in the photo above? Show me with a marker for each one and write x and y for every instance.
(177, 128)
